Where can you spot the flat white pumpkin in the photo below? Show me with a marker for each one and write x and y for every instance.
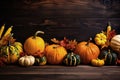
(115, 43)
(27, 60)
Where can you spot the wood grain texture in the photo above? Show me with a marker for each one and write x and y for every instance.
(58, 72)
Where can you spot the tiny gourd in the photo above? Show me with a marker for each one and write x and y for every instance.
(27, 60)
(40, 61)
(71, 59)
(97, 62)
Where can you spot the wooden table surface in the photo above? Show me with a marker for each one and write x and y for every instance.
(50, 72)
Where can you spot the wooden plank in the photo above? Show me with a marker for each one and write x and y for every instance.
(58, 72)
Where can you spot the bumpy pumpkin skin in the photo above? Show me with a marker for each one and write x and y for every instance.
(10, 53)
(87, 51)
(34, 45)
(55, 54)
(97, 62)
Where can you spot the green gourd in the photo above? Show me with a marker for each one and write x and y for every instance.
(71, 59)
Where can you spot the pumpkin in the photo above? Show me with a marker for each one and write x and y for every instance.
(97, 62)
(26, 60)
(71, 59)
(55, 53)
(115, 43)
(11, 52)
(109, 57)
(34, 45)
(100, 39)
(87, 51)
(40, 60)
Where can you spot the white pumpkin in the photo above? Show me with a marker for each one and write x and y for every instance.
(115, 43)
(27, 60)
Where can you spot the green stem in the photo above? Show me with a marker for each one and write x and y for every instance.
(37, 32)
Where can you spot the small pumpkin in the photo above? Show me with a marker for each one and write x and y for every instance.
(55, 53)
(109, 57)
(27, 60)
(97, 62)
(87, 51)
(40, 60)
(34, 45)
(71, 59)
(11, 52)
(115, 43)
(100, 39)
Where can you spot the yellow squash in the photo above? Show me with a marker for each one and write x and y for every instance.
(97, 62)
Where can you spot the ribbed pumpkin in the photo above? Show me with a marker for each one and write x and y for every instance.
(71, 59)
(87, 51)
(109, 57)
(11, 52)
(115, 43)
(55, 53)
(34, 45)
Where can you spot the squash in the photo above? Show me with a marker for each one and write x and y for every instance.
(40, 60)
(87, 51)
(97, 62)
(71, 59)
(115, 43)
(100, 39)
(11, 52)
(34, 45)
(55, 53)
(109, 57)
(26, 60)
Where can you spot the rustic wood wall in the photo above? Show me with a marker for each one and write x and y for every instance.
(74, 19)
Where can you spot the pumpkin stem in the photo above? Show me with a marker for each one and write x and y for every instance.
(36, 33)
(89, 41)
(9, 43)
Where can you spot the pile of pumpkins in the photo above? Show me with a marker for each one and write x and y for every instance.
(35, 51)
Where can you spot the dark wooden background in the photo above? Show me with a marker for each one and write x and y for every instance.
(74, 19)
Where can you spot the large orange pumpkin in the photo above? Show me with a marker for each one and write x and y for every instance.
(34, 45)
(87, 51)
(55, 53)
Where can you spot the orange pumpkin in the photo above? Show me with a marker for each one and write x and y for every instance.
(55, 53)
(34, 45)
(87, 51)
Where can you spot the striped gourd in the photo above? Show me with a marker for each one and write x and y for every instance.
(71, 59)
(115, 43)
(108, 56)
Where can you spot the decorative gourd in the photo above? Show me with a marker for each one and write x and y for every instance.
(100, 39)
(11, 52)
(26, 60)
(40, 60)
(34, 45)
(109, 57)
(71, 59)
(97, 62)
(55, 54)
(87, 51)
(115, 43)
